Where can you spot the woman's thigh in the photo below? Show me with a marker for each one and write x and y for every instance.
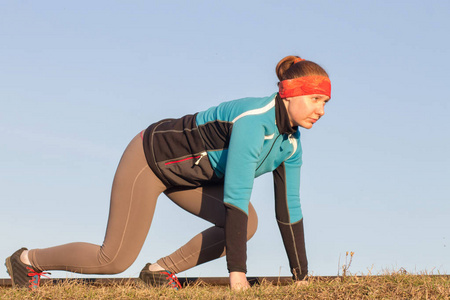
(207, 203)
(133, 198)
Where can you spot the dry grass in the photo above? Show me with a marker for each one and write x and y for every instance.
(388, 286)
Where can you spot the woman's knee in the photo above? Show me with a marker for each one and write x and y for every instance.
(252, 222)
(116, 262)
(114, 267)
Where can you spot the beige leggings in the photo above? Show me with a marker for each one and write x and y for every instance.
(134, 194)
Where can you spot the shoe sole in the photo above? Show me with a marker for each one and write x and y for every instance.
(9, 270)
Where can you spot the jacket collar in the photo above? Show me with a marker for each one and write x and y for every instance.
(282, 117)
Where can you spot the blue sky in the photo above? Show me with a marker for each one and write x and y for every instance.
(79, 79)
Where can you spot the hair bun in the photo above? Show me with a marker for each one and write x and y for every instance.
(288, 68)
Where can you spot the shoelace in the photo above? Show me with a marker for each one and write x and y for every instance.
(36, 277)
(173, 280)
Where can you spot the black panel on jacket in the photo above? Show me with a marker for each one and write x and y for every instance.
(216, 135)
(281, 206)
(294, 242)
(236, 239)
(176, 138)
(176, 153)
(292, 234)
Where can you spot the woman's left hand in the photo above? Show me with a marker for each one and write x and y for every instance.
(302, 283)
(238, 281)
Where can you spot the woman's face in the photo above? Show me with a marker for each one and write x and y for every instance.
(305, 110)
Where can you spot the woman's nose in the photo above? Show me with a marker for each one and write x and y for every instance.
(320, 110)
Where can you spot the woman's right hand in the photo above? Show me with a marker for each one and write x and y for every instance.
(238, 281)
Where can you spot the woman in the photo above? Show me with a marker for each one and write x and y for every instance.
(206, 163)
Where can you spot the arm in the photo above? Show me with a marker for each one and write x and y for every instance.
(289, 215)
(243, 152)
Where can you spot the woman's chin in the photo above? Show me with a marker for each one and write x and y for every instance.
(306, 125)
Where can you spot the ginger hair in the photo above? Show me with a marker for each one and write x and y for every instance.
(287, 69)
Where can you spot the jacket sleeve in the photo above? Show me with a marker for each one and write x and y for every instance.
(289, 214)
(244, 149)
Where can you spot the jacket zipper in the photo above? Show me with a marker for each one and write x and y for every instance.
(262, 162)
(291, 140)
(197, 162)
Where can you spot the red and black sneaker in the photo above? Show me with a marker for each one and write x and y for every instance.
(23, 275)
(159, 278)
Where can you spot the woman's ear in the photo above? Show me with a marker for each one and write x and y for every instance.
(286, 102)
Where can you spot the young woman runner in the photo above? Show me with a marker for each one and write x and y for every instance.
(205, 163)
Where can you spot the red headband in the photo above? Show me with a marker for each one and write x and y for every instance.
(306, 85)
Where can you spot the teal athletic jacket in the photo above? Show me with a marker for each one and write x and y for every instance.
(232, 144)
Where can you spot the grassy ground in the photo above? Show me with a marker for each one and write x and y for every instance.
(389, 286)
